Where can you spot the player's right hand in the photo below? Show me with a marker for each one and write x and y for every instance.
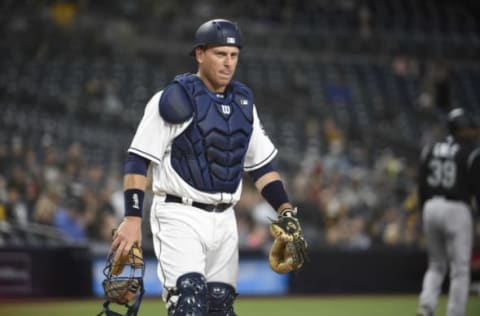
(128, 233)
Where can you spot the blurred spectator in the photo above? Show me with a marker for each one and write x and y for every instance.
(4, 156)
(112, 103)
(442, 94)
(63, 12)
(69, 220)
(333, 135)
(262, 214)
(359, 238)
(107, 222)
(338, 92)
(364, 17)
(105, 214)
(392, 229)
(404, 66)
(45, 209)
(243, 211)
(436, 91)
(51, 170)
(16, 209)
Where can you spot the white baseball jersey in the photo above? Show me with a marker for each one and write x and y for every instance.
(153, 141)
(188, 239)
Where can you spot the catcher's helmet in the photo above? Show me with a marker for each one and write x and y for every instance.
(217, 32)
(458, 120)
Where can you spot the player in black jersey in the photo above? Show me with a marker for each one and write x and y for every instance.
(449, 179)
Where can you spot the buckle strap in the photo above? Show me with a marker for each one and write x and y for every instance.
(216, 208)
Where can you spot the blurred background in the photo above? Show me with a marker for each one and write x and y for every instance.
(348, 90)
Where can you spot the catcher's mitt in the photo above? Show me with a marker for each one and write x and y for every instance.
(123, 283)
(289, 249)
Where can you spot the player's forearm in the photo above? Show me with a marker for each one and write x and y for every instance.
(271, 187)
(266, 179)
(134, 184)
(134, 181)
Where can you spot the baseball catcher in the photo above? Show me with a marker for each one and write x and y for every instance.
(123, 283)
(200, 135)
(289, 249)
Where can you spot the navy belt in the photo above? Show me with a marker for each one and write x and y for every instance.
(216, 208)
(450, 198)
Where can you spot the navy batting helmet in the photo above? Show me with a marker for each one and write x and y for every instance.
(459, 120)
(217, 32)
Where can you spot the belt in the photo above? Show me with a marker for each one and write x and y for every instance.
(215, 208)
(450, 198)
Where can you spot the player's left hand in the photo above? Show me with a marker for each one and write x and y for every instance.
(289, 250)
(128, 233)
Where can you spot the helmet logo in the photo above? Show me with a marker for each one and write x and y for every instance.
(231, 40)
(456, 112)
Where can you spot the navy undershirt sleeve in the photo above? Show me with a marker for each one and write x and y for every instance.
(136, 164)
(257, 173)
(274, 192)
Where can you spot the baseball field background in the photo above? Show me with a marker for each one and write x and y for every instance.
(278, 306)
(348, 90)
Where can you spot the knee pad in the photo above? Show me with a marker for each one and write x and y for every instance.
(220, 299)
(190, 296)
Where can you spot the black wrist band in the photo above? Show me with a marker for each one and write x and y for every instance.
(133, 199)
(275, 194)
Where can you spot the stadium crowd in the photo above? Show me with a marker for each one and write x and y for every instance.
(344, 202)
(68, 93)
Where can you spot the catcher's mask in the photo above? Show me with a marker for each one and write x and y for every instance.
(123, 283)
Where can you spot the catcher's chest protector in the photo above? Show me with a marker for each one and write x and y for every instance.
(209, 154)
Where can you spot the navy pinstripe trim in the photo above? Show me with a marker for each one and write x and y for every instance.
(144, 154)
(160, 253)
(258, 165)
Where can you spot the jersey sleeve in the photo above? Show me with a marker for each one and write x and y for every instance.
(421, 176)
(153, 133)
(260, 149)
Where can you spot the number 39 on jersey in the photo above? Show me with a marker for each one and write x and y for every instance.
(443, 169)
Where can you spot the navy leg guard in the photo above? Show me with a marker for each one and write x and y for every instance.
(192, 296)
(220, 299)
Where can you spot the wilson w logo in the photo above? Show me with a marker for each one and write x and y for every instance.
(226, 109)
